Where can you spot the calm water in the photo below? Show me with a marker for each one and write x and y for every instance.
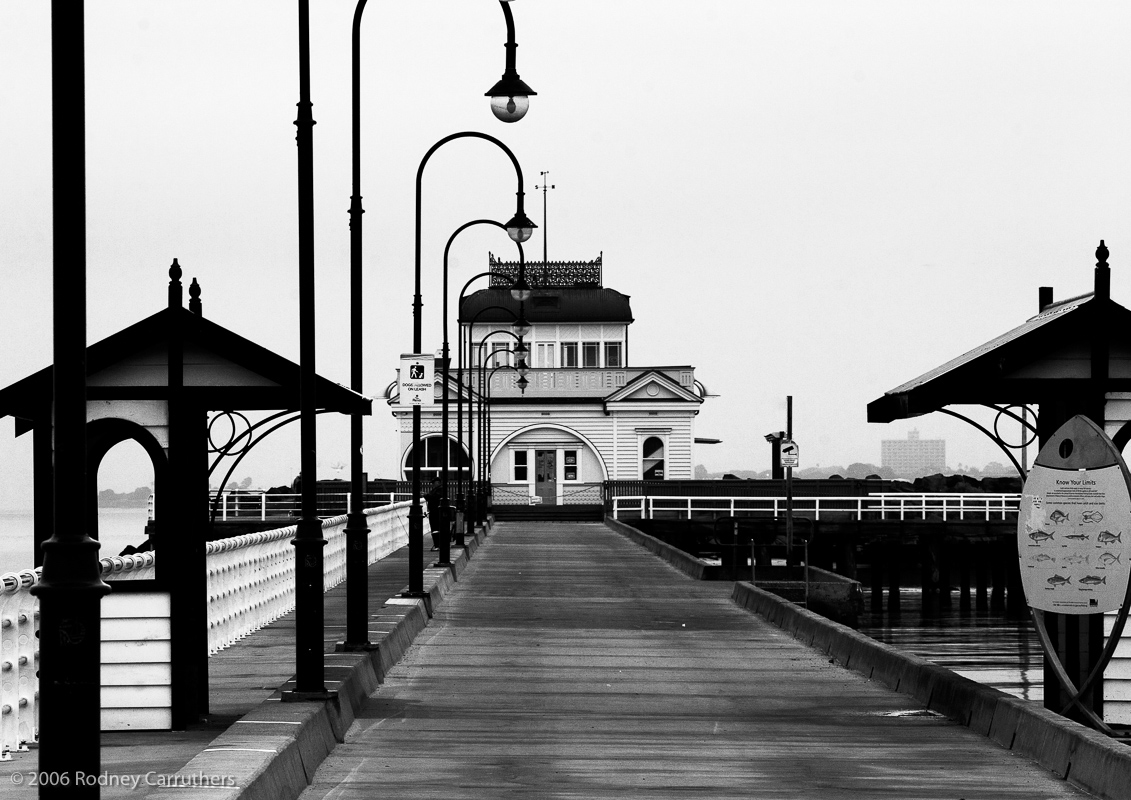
(117, 527)
(999, 652)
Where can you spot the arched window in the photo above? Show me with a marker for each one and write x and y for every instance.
(432, 462)
(652, 462)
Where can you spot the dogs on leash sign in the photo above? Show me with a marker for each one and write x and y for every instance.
(417, 380)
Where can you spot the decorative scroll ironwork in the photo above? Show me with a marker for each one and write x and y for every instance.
(237, 447)
(547, 274)
(995, 436)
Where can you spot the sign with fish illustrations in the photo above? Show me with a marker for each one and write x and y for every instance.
(1074, 522)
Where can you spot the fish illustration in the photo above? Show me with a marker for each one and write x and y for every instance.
(1058, 517)
(1080, 536)
(1040, 536)
(1093, 580)
(1092, 516)
(1107, 537)
(1076, 559)
(1107, 559)
(1058, 580)
(1039, 557)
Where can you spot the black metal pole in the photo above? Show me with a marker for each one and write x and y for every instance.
(445, 554)
(416, 514)
(71, 587)
(356, 532)
(469, 501)
(308, 541)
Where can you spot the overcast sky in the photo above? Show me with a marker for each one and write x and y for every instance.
(816, 199)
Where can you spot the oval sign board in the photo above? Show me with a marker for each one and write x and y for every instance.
(1074, 522)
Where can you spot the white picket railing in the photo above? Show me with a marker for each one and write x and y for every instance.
(250, 584)
(941, 505)
(251, 577)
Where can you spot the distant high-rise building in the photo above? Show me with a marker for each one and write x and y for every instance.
(913, 457)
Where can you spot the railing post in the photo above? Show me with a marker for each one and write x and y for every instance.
(263, 505)
(224, 506)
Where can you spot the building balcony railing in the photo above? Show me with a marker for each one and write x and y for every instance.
(580, 382)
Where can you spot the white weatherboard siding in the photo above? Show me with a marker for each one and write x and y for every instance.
(674, 427)
(137, 692)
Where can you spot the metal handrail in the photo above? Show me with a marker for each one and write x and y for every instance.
(961, 506)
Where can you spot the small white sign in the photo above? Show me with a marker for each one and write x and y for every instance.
(789, 454)
(417, 379)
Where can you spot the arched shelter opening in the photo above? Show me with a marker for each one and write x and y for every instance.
(112, 435)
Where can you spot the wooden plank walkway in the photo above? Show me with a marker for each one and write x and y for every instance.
(570, 663)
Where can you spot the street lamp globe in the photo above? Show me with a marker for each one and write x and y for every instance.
(520, 227)
(510, 108)
(521, 327)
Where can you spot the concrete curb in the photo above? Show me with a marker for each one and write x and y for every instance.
(687, 564)
(1084, 757)
(272, 752)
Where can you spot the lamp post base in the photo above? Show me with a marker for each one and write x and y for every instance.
(355, 647)
(308, 697)
(425, 596)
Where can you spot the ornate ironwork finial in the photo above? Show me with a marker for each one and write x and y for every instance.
(1103, 273)
(175, 294)
(194, 304)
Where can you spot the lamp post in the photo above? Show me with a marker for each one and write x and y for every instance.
(510, 97)
(445, 363)
(519, 228)
(308, 541)
(357, 568)
(471, 514)
(484, 412)
(71, 588)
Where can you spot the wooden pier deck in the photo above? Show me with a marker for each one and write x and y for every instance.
(570, 663)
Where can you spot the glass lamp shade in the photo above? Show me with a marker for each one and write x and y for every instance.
(522, 368)
(520, 227)
(521, 328)
(522, 384)
(521, 349)
(510, 108)
(521, 292)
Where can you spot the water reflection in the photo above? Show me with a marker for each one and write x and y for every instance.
(990, 649)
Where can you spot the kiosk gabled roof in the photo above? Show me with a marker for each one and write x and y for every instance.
(1048, 355)
(222, 370)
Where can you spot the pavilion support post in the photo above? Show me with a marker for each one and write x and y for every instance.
(892, 552)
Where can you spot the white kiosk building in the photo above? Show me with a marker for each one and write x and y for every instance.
(587, 414)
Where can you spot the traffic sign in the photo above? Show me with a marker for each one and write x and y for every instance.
(789, 454)
(417, 379)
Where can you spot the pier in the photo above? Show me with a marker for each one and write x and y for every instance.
(565, 657)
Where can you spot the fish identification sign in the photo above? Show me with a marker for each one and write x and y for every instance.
(1073, 523)
(417, 380)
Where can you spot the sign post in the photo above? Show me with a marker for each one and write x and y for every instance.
(1072, 540)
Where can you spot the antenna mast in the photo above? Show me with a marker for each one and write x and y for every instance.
(544, 187)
